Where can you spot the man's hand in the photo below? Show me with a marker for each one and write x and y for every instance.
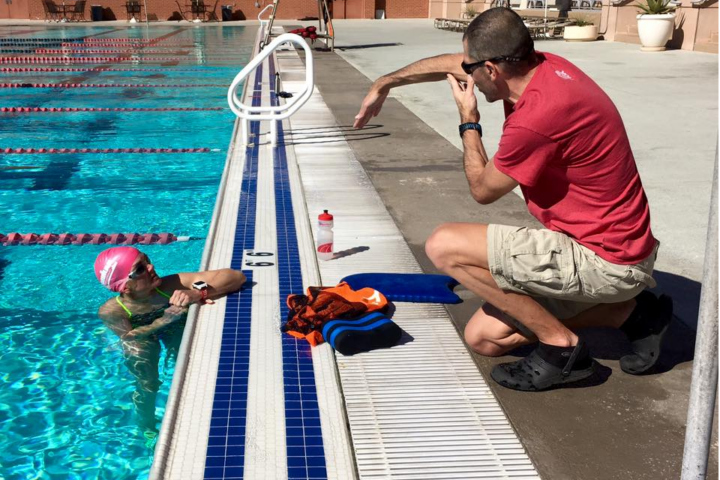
(465, 99)
(370, 107)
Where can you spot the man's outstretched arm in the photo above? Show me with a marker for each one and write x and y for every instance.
(431, 69)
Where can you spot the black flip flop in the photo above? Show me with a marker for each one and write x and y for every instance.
(534, 373)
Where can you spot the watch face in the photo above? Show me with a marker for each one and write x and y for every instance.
(200, 285)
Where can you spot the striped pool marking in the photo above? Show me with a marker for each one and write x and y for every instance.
(107, 109)
(62, 151)
(110, 85)
(97, 69)
(305, 451)
(226, 441)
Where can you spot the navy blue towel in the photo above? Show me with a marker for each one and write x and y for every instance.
(362, 334)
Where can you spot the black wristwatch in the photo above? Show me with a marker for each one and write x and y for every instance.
(464, 127)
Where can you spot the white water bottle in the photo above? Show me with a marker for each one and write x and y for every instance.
(325, 236)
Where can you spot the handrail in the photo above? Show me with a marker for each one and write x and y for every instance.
(277, 112)
(260, 14)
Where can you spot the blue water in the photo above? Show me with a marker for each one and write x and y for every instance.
(65, 396)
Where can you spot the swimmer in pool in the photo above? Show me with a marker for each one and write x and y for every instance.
(151, 311)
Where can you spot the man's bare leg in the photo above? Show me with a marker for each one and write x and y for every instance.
(489, 332)
(460, 250)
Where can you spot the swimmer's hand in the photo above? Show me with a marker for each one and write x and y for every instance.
(465, 99)
(184, 298)
(174, 313)
(371, 106)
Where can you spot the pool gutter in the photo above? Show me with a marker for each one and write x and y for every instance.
(169, 421)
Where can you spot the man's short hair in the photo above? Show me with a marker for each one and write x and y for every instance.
(499, 33)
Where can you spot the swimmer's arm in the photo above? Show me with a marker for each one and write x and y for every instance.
(116, 320)
(431, 69)
(220, 282)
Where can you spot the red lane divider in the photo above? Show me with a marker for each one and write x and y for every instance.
(107, 85)
(130, 40)
(142, 50)
(85, 60)
(121, 44)
(90, 69)
(15, 238)
(101, 109)
(30, 151)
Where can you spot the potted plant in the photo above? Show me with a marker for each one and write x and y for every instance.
(470, 12)
(582, 31)
(655, 24)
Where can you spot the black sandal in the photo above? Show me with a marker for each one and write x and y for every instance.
(535, 373)
(645, 328)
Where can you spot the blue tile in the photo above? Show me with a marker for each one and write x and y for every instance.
(214, 462)
(315, 451)
(214, 472)
(295, 451)
(316, 461)
(218, 431)
(234, 471)
(297, 472)
(295, 441)
(234, 461)
(314, 441)
(217, 441)
(317, 472)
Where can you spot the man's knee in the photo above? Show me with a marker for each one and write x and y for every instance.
(437, 246)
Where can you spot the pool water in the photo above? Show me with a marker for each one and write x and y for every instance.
(65, 397)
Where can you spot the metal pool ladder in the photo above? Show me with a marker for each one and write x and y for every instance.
(276, 112)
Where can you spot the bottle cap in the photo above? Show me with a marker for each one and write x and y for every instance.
(325, 216)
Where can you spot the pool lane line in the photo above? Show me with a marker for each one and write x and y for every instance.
(79, 60)
(305, 450)
(94, 69)
(85, 37)
(63, 151)
(225, 455)
(21, 32)
(110, 85)
(37, 41)
(105, 51)
(102, 109)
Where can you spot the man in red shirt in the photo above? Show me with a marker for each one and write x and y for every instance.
(565, 145)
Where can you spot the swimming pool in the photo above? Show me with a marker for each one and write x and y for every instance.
(65, 407)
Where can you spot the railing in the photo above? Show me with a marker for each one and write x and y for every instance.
(272, 113)
(263, 23)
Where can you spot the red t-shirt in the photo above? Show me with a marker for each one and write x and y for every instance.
(565, 144)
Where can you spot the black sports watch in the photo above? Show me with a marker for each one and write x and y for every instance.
(464, 127)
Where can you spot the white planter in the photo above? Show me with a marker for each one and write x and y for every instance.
(586, 33)
(655, 31)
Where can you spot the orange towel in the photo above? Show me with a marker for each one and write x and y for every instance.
(308, 313)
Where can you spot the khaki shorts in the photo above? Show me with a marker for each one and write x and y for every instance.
(563, 276)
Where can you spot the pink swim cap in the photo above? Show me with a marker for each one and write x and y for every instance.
(113, 266)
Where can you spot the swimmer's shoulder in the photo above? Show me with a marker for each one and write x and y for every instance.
(111, 311)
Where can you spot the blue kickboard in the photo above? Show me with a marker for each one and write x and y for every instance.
(407, 287)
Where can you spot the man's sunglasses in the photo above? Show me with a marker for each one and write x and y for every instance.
(469, 68)
(140, 269)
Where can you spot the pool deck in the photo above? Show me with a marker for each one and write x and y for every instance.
(627, 427)
(621, 427)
